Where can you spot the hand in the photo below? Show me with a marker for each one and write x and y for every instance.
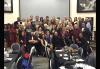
(39, 39)
(33, 41)
(25, 45)
(87, 41)
(30, 41)
(21, 41)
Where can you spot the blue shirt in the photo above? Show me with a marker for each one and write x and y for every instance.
(88, 25)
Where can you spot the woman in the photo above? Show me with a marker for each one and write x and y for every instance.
(47, 37)
(8, 35)
(23, 38)
(22, 41)
(53, 21)
(75, 20)
(43, 44)
(70, 20)
(68, 37)
(57, 41)
(76, 31)
(47, 20)
(13, 35)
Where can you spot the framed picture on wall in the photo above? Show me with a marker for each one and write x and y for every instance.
(8, 6)
(86, 5)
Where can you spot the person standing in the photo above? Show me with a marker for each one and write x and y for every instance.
(84, 45)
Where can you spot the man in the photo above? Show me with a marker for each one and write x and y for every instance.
(87, 34)
(84, 44)
(32, 23)
(57, 61)
(30, 41)
(91, 59)
(88, 25)
(17, 22)
(76, 31)
(57, 41)
(37, 22)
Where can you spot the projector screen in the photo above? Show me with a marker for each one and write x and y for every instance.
(58, 8)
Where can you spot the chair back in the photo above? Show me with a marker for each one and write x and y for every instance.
(15, 48)
(80, 51)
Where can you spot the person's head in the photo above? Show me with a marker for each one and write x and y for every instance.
(76, 26)
(31, 18)
(41, 19)
(33, 33)
(53, 19)
(80, 35)
(65, 17)
(23, 33)
(86, 19)
(69, 23)
(93, 47)
(48, 32)
(79, 18)
(42, 35)
(40, 28)
(62, 21)
(67, 27)
(75, 19)
(70, 19)
(28, 22)
(37, 18)
(82, 19)
(58, 18)
(77, 39)
(47, 17)
(18, 18)
(56, 33)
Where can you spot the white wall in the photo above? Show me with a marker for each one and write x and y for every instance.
(44, 8)
(73, 13)
(11, 17)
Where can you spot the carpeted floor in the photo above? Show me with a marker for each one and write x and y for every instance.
(40, 63)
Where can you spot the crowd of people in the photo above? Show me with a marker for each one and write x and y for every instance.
(54, 32)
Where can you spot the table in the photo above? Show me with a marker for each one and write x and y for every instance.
(79, 62)
(67, 56)
(9, 64)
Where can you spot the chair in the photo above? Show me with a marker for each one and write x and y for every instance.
(74, 46)
(33, 50)
(80, 51)
(15, 48)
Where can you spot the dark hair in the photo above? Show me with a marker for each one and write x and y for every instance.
(58, 17)
(41, 36)
(47, 16)
(41, 19)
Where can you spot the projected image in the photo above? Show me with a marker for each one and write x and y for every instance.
(86, 5)
(8, 7)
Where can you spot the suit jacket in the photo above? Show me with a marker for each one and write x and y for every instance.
(91, 60)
